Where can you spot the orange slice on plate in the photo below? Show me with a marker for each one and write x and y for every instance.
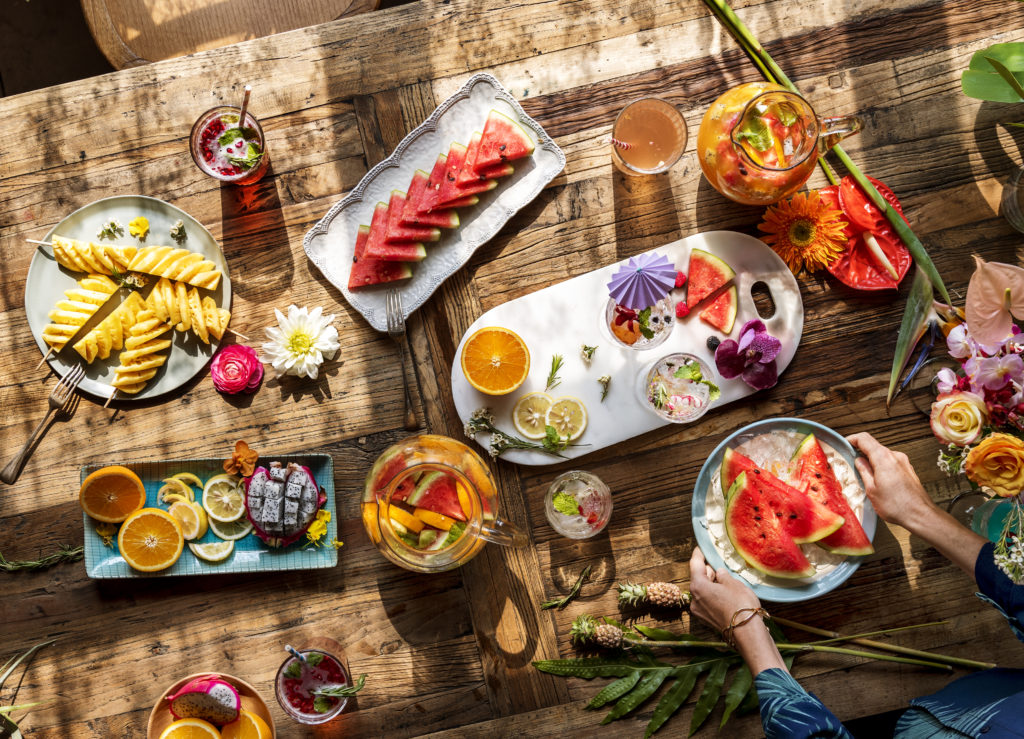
(495, 360)
(150, 540)
(111, 494)
(248, 726)
(191, 728)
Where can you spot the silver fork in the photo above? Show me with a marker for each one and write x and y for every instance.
(396, 330)
(60, 397)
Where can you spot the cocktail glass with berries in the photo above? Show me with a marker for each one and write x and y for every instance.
(226, 150)
(679, 388)
(299, 679)
(578, 504)
(640, 329)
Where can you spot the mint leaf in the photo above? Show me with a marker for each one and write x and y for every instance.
(552, 441)
(314, 658)
(251, 159)
(689, 371)
(756, 132)
(454, 533)
(713, 392)
(232, 134)
(294, 669)
(322, 704)
(565, 504)
(645, 323)
(787, 116)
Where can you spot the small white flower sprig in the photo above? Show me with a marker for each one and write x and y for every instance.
(301, 341)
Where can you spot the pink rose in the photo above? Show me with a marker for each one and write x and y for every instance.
(958, 417)
(236, 368)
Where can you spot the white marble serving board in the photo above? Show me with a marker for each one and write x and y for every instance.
(562, 317)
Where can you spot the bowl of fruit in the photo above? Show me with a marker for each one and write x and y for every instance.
(210, 705)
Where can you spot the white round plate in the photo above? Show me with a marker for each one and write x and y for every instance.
(47, 281)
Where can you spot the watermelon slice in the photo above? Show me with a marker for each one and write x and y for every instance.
(464, 202)
(436, 492)
(412, 217)
(396, 232)
(814, 475)
(384, 470)
(705, 274)
(759, 538)
(468, 175)
(377, 248)
(441, 189)
(802, 518)
(366, 271)
(721, 312)
(503, 141)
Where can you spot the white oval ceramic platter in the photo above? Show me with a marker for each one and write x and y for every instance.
(330, 243)
(561, 318)
(780, 590)
(47, 281)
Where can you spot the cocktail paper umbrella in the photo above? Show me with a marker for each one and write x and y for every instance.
(642, 281)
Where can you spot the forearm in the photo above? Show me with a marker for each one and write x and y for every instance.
(757, 647)
(959, 544)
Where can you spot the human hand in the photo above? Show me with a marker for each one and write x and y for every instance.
(891, 483)
(717, 595)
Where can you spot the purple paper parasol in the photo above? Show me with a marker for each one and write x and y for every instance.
(642, 281)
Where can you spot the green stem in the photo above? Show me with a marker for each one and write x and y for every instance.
(750, 44)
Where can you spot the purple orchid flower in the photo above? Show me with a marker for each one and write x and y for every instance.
(752, 358)
(995, 372)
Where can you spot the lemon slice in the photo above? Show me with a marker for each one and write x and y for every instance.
(191, 517)
(223, 498)
(569, 417)
(174, 498)
(188, 478)
(171, 485)
(215, 551)
(530, 414)
(231, 531)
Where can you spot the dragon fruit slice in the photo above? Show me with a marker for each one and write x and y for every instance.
(282, 502)
(207, 697)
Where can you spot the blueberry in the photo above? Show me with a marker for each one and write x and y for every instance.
(713, 342)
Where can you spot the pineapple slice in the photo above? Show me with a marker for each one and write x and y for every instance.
(141, 357)
(176, 304)
(176, 264)
(85, 256)
(80, 303)
(110, 333)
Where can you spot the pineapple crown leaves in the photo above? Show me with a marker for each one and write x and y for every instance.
(661, 594)
(631, 593)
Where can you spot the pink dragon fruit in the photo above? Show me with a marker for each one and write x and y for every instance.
(207, 697)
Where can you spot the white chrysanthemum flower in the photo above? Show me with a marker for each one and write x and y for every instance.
(301, 342)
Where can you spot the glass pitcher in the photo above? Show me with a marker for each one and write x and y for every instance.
(430, 504)
(759, 142)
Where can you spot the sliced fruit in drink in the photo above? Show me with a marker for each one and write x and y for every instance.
(231, 531)
(150, 540)
(495, 360)
(411, 216)
(223, 498)
(405, 518)
(366, 271)
(437, 520)
(378, 248)
(438, 492)
(214, 551)
(191, 517)
(530, 414)
(568, 416)
(111, 494)
(503, 141)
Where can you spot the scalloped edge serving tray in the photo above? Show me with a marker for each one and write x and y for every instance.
(330, 243)
(250, 555)
(562, 317)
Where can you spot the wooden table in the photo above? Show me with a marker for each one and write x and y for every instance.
(451, 653)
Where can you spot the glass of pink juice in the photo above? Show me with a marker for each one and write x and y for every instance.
(648, 137)
(297, 681)
(227, 151)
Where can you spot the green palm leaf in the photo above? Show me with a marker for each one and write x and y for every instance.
(709, 696)
(647, 687)
(674, 697)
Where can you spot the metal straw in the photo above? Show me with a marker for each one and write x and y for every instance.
(245, 107)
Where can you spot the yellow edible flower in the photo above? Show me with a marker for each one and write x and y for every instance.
(106, 532)
(139, 227)
(318, 529)
(997, 462)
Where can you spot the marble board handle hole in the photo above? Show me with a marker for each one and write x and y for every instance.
(764, 303)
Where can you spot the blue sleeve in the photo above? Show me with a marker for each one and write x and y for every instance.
(999, 590)
(790, 712)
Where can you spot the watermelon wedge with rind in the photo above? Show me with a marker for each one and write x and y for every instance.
(815, 476)
(705, 274)
(469, 175)
(446, 218)
(503, 141)
(436, 492)
(721, 312)
(397, 233)
(801, 517)
(760, 539)
(441, 190)
(377, 248)
(366, 271)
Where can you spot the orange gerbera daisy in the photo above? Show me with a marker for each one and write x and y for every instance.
(805, 231)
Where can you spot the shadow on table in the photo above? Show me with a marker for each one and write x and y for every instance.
(715, 212)
(645, 213)
(568, 557)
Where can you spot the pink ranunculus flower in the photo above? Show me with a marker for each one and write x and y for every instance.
(236, 368)
(958, 417)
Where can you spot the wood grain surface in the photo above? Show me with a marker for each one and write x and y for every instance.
(450, 654)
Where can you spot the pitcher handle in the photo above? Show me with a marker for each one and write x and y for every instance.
(503, 533)
(837, 128)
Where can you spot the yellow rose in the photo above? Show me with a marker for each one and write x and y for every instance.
(957, 417)
(997, 463)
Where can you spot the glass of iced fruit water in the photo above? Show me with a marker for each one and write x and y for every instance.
(430, 504)
(227, 151)
(640, 329)
(648, 137)
(297, 681)
(578, 504)
(679, 388)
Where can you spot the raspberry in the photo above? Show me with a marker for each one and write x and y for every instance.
(682, 311)
(592, 519)
(680, 278)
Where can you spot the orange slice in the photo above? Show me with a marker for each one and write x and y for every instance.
(111, 494)
(248, 726)
(437, 520)
(191, 728)
(150, 540)
(495, 360)
(406, 519)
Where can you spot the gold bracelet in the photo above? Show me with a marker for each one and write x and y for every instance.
(727, 632)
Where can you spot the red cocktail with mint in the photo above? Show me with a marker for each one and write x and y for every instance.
(298, 684)
(226, 150)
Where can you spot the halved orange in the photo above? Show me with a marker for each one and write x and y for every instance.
(190, 728)
(248, 726)
(495, 360)
(111, 494)
(150, 539)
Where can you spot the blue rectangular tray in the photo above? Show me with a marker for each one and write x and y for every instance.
(250, 554)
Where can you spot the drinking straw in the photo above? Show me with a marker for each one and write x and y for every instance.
(621, 144)
(245, 106)
(288, 647)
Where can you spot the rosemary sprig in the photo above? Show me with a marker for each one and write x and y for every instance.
(561, 603)
(64, 554)
(482, 420)
(553, 379)
(322, 704)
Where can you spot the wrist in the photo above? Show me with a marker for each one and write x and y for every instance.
(756, 646)
(920, 517)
